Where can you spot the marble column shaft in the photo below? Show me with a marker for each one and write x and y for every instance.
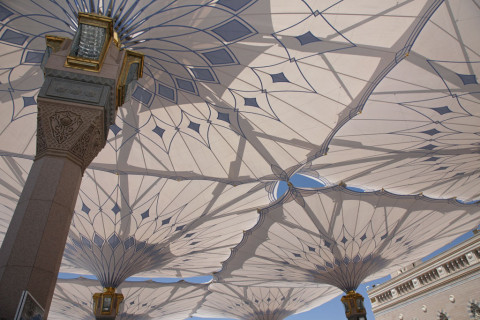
(69, 136)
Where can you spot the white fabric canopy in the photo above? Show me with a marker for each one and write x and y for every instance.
(341, 237)
(230, 88)
(72, 299)
(125, 225)
(419, 131)
(240, 94)
(260, 303)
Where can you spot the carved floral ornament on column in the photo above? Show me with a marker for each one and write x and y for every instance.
(66, 129)
(64, 124)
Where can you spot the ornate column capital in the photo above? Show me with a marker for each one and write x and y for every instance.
(72, 130)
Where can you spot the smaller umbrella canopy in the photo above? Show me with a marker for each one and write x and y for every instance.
(341, 237)
(72, 299)
(125, 225)
(262, 303)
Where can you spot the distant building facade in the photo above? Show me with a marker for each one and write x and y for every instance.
(444, 287)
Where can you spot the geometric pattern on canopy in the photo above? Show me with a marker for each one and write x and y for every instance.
(125, 225)
(259, 303)
(229, 90)
(419, 130)
(72, 299)
(341, 237)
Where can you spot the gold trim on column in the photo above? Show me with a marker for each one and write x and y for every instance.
(131, 57)
(55, 42)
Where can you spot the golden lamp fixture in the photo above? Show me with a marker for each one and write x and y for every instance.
(106, 304)
(93, 43)
(354, 308)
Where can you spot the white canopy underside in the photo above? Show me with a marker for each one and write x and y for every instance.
(238, 95)
(72, 299)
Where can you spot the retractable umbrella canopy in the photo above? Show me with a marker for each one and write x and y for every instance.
(419, 131)
(126, 225)
(230, 88)
(260, 303)
(341, 237)
(143, 300)
(236, 93)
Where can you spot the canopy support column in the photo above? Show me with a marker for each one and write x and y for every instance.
(76, 106)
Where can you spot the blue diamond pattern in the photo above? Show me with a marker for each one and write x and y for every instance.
(363, 237)
(279, 77)
(224, 117)
(146, 214)
(185, 85)
(443, 110)
(34, 57)
(166, 221)
(158, 131)
(232, 30)
(85, 208)
(220, 56)
(13, 37)
(344, 240)
(179, 228)
(99, 241)
(4, 13)
(29, 101)
(431, 132)
(116, 208)
(297, 255)
(194, 126)
(142, 95)
(432, 159)
(307, 38)
(468, 78)
(441, 168)
(129, 243)
(311, 249)
(384, 236)
(115, 129)
(429, 147)
(113, 241)
(202, 74)
(166, 92)
(252, 102)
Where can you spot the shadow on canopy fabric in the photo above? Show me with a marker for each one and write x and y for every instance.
(230, 88)
(419, 129)
(72, 299)
(260, 303)
(340, 237)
